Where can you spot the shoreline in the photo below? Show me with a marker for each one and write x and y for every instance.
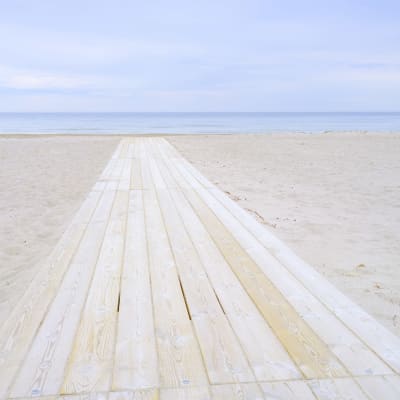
(27, 135)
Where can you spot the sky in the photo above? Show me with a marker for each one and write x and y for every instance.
(220, 55)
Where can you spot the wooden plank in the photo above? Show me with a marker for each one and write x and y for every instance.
(222, 354)
(84, 396)
(124, 146)
(43, 368)
(189, 296)
(125, 179)
(378, 338)
(394, 381)
(357, 357)
(91, 360)
(267, 356)
(180, 362)
(117, 171)
(381, 387)
(332, 389)
(192, 393)
(136, 151)
(309, 352)
(131, 148)
(311, 355)
(148, 394)
(117, 151)
(99, 186)
(385, 344)
(20, 328)
(147, 181)
(17, 333)
(358, 321)
(291, 390)
(151, 394)
(136, 364)
(111, 177)
(106, 174)
(157, 179)
(136, 175)
(242, 391)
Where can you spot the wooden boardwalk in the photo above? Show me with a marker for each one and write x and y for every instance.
(162, 287)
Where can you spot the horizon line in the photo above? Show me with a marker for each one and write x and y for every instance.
(199, 112)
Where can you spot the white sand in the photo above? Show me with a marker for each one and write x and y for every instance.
(43, 181)
(335, 199)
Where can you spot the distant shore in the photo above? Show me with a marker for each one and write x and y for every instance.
(198, 122)
(333, 197)
(33, 135)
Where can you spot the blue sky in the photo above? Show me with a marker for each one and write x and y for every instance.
(199, 55)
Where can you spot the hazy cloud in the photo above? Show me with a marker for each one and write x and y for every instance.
(258, 55)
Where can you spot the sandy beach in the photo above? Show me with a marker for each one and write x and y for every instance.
(43, 182)
(333, 198)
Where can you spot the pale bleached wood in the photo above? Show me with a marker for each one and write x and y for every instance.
(147, 182)
(242, 391)
(310, 353)
(119, 175)
(346, 389)
(17, 332)
(136, 152)
(131, 149)
(384, 343)
(85, 396)
(85, 212)
(378, 338)
(117, 151)
(187, 262)
(91, 360)
(192, 393)
(20, 328)
(291, 390)
(106, 174)
(180, 362)
(266, 354)
(157, 179)
(124, 147)
(110, 178)
(43, 368)
(151, 394)
(223, 356)
(394, 381)
(117, 171)
(357, 357)
(125, 179)
(100, 186)
(381, 387)
(148, 394)
(136, 364)
(136, 175)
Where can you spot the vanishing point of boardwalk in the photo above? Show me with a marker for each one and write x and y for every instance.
(162, 287)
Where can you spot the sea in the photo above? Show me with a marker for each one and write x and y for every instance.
(195, 122)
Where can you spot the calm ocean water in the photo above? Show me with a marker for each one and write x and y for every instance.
(103, 123)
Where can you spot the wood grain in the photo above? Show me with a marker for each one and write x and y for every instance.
(163, 287)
